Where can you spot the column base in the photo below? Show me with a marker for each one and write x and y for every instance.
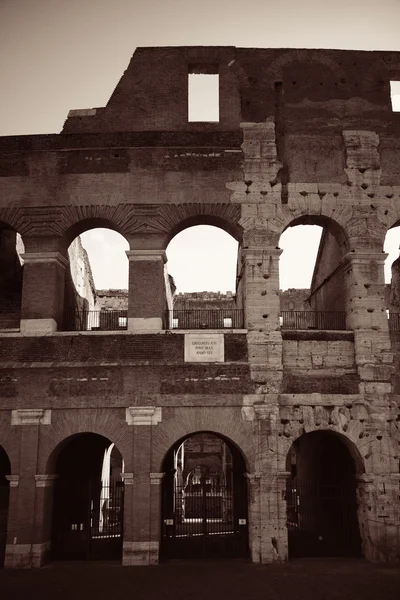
(26, 556)
(138, 554)
(151, 325)
(37, 326)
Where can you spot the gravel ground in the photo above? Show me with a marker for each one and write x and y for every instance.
(305, 579)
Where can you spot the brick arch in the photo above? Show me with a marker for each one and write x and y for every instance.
(223, 423)
(176, 218)
(387, 66)
(12, 218)
(275, 69)
(76, 220)
(56, 436)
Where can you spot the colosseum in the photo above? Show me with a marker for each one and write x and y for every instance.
(147, 425)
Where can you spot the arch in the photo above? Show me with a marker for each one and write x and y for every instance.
(204, 494)
(388, 66)
(88, 499)
(331, 225)
(305, 56)
(88, 223)
(57, 436)
(178, 443)
(321, 495)
(228, 225)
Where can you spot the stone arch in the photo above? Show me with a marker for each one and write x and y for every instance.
(222, 437)
(56, 436)
(305, 56)
(9, 441)
(221, 422)
(332, 225)
(349, 443)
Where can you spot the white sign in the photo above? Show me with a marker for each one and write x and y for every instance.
(204, 347)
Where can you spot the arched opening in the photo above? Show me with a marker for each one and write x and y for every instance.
(204, 499)
(202, 260)
(311, 275)
(96, 286)
(11, 272)
(392, 277)
(88, 500)
(321, 497)
(5, 469)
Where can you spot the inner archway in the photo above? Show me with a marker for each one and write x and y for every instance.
(321, 497)
(5, 469)
(204, 500)
(88, 500)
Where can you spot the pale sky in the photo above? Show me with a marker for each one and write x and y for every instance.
(57, 55)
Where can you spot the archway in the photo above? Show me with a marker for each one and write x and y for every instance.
(5, 469)
(204, 499)
(321, 497)
(11, 272)
(88, 500)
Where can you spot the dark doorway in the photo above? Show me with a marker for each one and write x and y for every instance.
(5, 469)
(88, 500)
(204, 500)
(321, 498)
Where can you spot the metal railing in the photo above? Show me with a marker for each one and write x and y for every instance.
(394, 321)
(320, 320)
(224, 318)
(96, 320)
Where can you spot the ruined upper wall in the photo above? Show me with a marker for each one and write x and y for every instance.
(331, 88)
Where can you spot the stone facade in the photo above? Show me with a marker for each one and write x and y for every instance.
(304, 137)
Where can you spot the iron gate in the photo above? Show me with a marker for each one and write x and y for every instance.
(88, 520)
(206, 519)
(322, 518)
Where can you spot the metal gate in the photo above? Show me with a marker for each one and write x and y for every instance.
(88, 520)
(322, 518)
(206, 518)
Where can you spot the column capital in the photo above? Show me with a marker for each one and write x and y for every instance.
(46, 480)
(13, 480)
(151, 255)
(143, 415)
(128, 478)
(31, 416)
(364, 257)
(44, 257)
(156, 478)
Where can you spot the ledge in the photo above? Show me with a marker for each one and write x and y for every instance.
(316, 334)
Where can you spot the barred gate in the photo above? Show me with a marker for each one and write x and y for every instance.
(207, 519)
(322, 518)
(88, 520)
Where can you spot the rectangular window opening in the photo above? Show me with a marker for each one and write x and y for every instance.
(203, 97)
(395, 95)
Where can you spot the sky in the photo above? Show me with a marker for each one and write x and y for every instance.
(57, 55)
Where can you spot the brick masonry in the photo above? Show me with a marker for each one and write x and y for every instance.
(319, 153)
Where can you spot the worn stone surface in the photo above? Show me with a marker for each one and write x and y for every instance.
(295, 144)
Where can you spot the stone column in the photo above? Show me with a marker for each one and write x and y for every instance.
(366, 315)
(143, 548)
(262, 308)
(147, 296)
(42, 306)
(128, 479)
(255, 523)
(379, 516)
(41, 541)
(25, 503)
